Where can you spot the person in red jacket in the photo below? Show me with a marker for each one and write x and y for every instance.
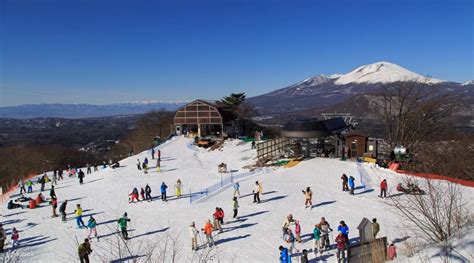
(383, 188)
(217, 221)
(341, 246)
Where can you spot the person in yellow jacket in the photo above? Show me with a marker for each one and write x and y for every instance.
(178, 187)
(78, 213)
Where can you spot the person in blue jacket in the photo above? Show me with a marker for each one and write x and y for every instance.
(284, 256)
(351, 185)
(163, 188)
(344, 229)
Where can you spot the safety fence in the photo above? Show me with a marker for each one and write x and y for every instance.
(223, 184)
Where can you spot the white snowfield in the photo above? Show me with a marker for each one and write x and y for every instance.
(382, 72)
(254, 237)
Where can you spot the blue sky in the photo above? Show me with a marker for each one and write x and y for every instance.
(100, 51)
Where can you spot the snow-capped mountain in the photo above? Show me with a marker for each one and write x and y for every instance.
(326, 90)
(382, 72)
(470, 82)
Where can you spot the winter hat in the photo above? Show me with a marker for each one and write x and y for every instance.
(125, 214)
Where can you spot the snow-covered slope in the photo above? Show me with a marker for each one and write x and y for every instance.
(382, 72)
(254, 237)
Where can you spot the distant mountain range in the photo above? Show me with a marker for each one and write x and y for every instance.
(75, 111)
(325, 91)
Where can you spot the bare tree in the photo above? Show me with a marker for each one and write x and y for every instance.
(413, 111)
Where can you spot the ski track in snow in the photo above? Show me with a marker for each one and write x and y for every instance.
(105, 195)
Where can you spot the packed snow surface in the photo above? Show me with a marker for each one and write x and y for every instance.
(253, 237)
(382, 72)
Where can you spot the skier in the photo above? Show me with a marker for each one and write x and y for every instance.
(304, 256)
(54, 205)
(193, 233)
(221, 215)
(159, 154)
(52, 193)
(284, 256)
(298, 231)
(142, 193)
(236, 207)
(286, 224)
(84, 250)
(3, 237)
(308, 194)
(163, 188)
(78, 213)
(236, 189)
(158, 166)
(351, 185)
(325, 229)
(92, 225)
(316, 240)
(60, 174)
(375, 227)
(15, 237)
(21, 185)
(89, 170)
(344, 182)
(344, 229)
(81, 175)
(29, 183)
(341, 241)
(290, 239)
(62, 210)
(152, 153)
(42, 182)
(133, 195)
(145, 167)
(178, 186)
(256, 193)
(54, 180)
(139, 164)
(207, 229)
(122, 222)
(383, 188)
(217, 223)
(148, 192)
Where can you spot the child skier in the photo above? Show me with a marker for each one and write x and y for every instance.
(78, 213)
(351, 185)
(193, 233)
(344, 182)
(15, 237)
(122, 222)
(92, 225)
(178, 186)
(308, 194)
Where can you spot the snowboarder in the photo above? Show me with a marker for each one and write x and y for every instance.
(81, 175)
(236, 207)
(21, 185)
(139, 164)
(78, 213)
(178, 186)
(375, 227)
(84, 250)
(3, 237)
(351, 185)
(236, 189)
(62, 210)
(148, 192)
(344, 229)
(383, 188)
(163, 188)
(308, 194)
(122, 222)
(29, 183)
(325, 229)
(316, 240)
(256, 193)
(207, 229)
(298, 231)
(341, 241)
(92, 225)
(54, 205)
(15, 237)
(52, 193)
(344, 182)
(284, 256)
(193, 233)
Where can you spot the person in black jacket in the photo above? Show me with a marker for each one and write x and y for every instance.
(62, 210)
(52, 193)
(81, 176)
(344, 178)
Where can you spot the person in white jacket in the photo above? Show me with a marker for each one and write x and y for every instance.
(256, 193)
(193, 233)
